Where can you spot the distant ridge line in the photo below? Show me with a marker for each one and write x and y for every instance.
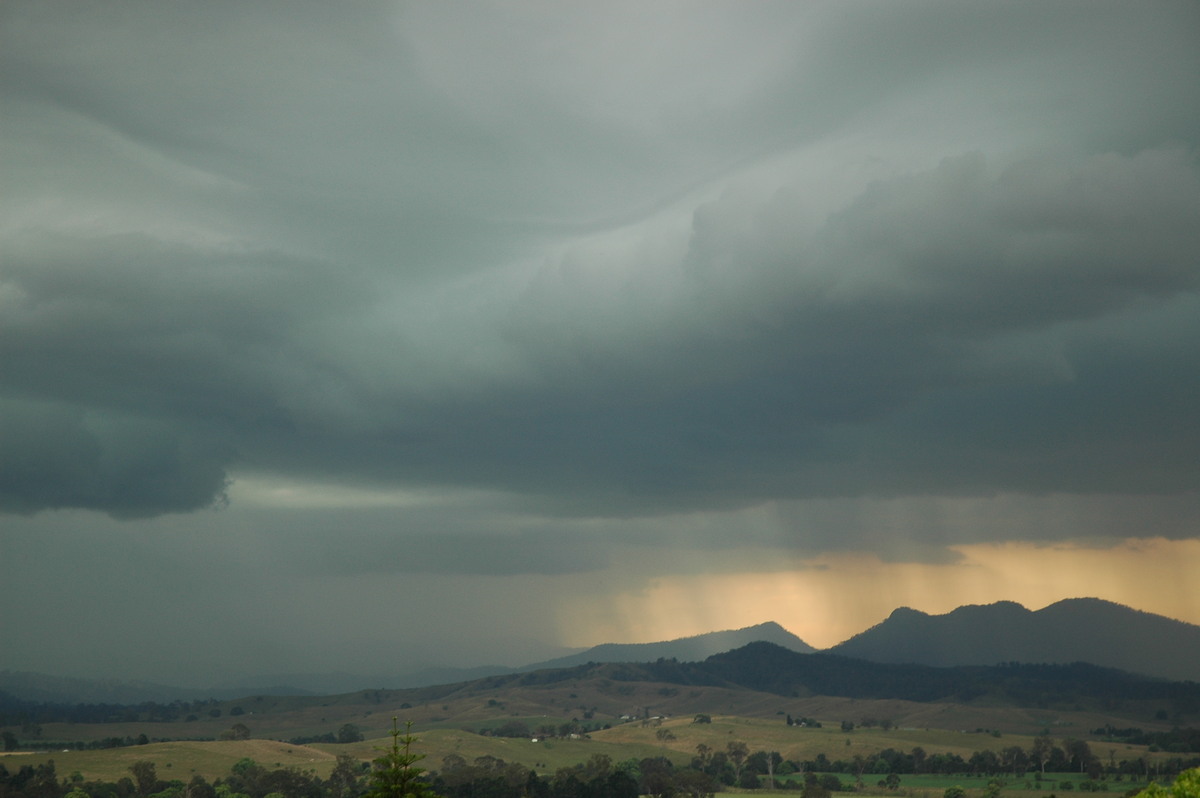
(1089, 630)
(1078, 630)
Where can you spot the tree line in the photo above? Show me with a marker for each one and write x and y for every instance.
(21, 712)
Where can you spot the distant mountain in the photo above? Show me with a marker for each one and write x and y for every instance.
(684, 649)
(1074, 630)
(41, 688)
(688, 648)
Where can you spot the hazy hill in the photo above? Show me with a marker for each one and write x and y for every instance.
(685, 649)
(759, 679)
(55, 689)
(1074, 630)
(767, 668)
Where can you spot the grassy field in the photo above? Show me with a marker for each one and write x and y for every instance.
(177, 760)
(446, 721)
(289, 717)
(1027, 785)
(676, 738)
(798, 744)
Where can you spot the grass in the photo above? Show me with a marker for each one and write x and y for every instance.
(446, 724)
(675, 738)
(805, 743)
(178, 760)
(936, 784)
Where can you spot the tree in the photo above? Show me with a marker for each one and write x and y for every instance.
(984, 763)
(1014, 760)
(737, 751)
(1187, 785)
(694, 784)
(764, 763)
(813, 788)
(396, 773)
(349, 733)
(345, 779)
(774, 760)
(144, 774)
(859, 764)
(199, 788)
(245, 776)
(657, 777)
(1079, 752)
(42, 782)
(238, 731)
(1043, 748)
(954, 792)
(598, 766)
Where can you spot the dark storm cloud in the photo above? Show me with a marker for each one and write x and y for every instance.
(486, 328)
(871, 249)
(935, 336)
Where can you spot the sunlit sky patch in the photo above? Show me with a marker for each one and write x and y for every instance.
(838, 595)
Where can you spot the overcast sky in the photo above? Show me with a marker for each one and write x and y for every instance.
(366, 336)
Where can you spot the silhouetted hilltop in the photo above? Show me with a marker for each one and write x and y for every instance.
(1073, 630)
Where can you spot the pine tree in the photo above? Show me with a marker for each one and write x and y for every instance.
(396, 773)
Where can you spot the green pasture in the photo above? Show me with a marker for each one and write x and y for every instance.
(176, 760)
(676, 738)
(936, 784)
(805, 743)
(545, 756)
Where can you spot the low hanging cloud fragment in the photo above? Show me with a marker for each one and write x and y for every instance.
(68, 457)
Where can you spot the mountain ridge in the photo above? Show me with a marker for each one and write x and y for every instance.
(1089, 630)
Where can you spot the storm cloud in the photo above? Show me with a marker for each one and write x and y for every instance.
(602, 279)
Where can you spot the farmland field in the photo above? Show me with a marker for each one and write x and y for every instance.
(675, 738)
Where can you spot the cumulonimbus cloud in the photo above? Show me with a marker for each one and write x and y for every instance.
(387, 282)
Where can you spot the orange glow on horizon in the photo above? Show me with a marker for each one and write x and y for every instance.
(836, 596)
